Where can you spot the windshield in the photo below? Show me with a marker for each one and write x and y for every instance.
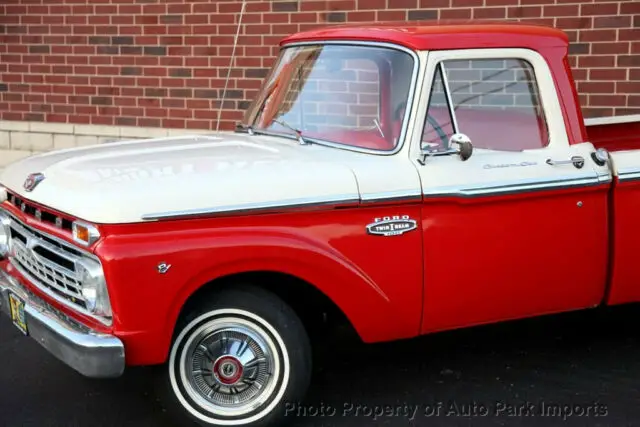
(354, 96)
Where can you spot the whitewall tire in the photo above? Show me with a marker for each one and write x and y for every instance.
(238, 360)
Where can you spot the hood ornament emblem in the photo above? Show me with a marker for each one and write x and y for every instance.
(32, 181)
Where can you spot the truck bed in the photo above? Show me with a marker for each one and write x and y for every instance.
(615, 133)
(621, 137)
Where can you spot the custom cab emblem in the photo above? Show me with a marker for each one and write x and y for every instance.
(392, 225)
(32, 181)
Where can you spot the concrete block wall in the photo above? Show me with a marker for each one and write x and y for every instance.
(20, 139)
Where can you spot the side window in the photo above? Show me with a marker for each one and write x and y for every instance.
(495, 102)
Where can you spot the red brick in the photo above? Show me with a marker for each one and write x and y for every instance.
(596, 87)
(616, 100)
(561, 10)
(629, 61)
(609, 48)
(597, 35)
(490, 13)
(628, 87)
(395, 15)
(525, 12)
(467, 3)
(455, 14)
(629, 35)
(587, 9)
(630, 7)
(597, 61)
(369, 4)
(574, 23)
(608, 74)
(612, 22)
(181, 47)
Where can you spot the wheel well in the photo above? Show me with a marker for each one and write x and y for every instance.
(319, 314)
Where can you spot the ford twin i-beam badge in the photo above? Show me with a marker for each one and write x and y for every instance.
(33, 180)
(392, 225)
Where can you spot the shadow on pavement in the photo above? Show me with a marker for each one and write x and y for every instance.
(574, 369)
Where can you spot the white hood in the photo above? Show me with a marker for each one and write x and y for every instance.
(128, 181)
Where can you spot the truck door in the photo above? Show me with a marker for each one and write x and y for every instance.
(520, 228)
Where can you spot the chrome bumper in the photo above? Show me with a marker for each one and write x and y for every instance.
(92, 354)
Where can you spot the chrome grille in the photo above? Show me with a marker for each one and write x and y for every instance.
(38, 213)
(47, 262)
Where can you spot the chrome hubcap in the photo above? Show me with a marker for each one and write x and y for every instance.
(228, 367)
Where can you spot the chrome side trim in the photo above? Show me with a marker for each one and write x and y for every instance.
(346, 200)
(90, 353)
(410, 100)
(392, 197)
(614, 120)
(626, 175)
(515, 187)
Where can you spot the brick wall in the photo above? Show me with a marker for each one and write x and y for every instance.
(163, 63)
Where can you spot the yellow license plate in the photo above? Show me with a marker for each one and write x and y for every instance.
(17, 313)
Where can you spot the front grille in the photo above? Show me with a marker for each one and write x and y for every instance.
(47, 262)
(40, 214)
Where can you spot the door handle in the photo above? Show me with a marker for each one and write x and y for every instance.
(577, 161)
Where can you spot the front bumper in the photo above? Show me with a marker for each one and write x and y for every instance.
(91, 353)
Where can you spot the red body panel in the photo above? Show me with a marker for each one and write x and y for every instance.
(625, 235)
(615, 137)
(505, 257)
(375, 281)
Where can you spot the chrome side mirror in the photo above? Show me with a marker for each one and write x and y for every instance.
(465, 148)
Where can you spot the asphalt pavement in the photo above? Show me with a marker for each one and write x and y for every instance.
(579, 369)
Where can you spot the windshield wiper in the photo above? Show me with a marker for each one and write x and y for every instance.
(298, 132)
(241, 127)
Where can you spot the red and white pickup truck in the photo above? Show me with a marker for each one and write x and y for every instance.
(412, 179)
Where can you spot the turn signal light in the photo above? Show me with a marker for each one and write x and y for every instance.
(84, 233)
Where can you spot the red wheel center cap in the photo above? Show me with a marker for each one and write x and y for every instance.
(228, 370)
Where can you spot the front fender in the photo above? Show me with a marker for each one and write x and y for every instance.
(381, 305)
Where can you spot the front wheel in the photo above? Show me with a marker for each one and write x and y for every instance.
(239, 360)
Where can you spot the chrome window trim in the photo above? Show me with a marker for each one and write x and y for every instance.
(410, 101)
(447, 92)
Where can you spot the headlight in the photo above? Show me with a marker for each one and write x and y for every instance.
(4, 235)
(94, 287)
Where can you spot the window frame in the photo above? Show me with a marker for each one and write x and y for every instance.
(551, 109)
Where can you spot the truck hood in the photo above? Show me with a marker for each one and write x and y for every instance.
(134, 181)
